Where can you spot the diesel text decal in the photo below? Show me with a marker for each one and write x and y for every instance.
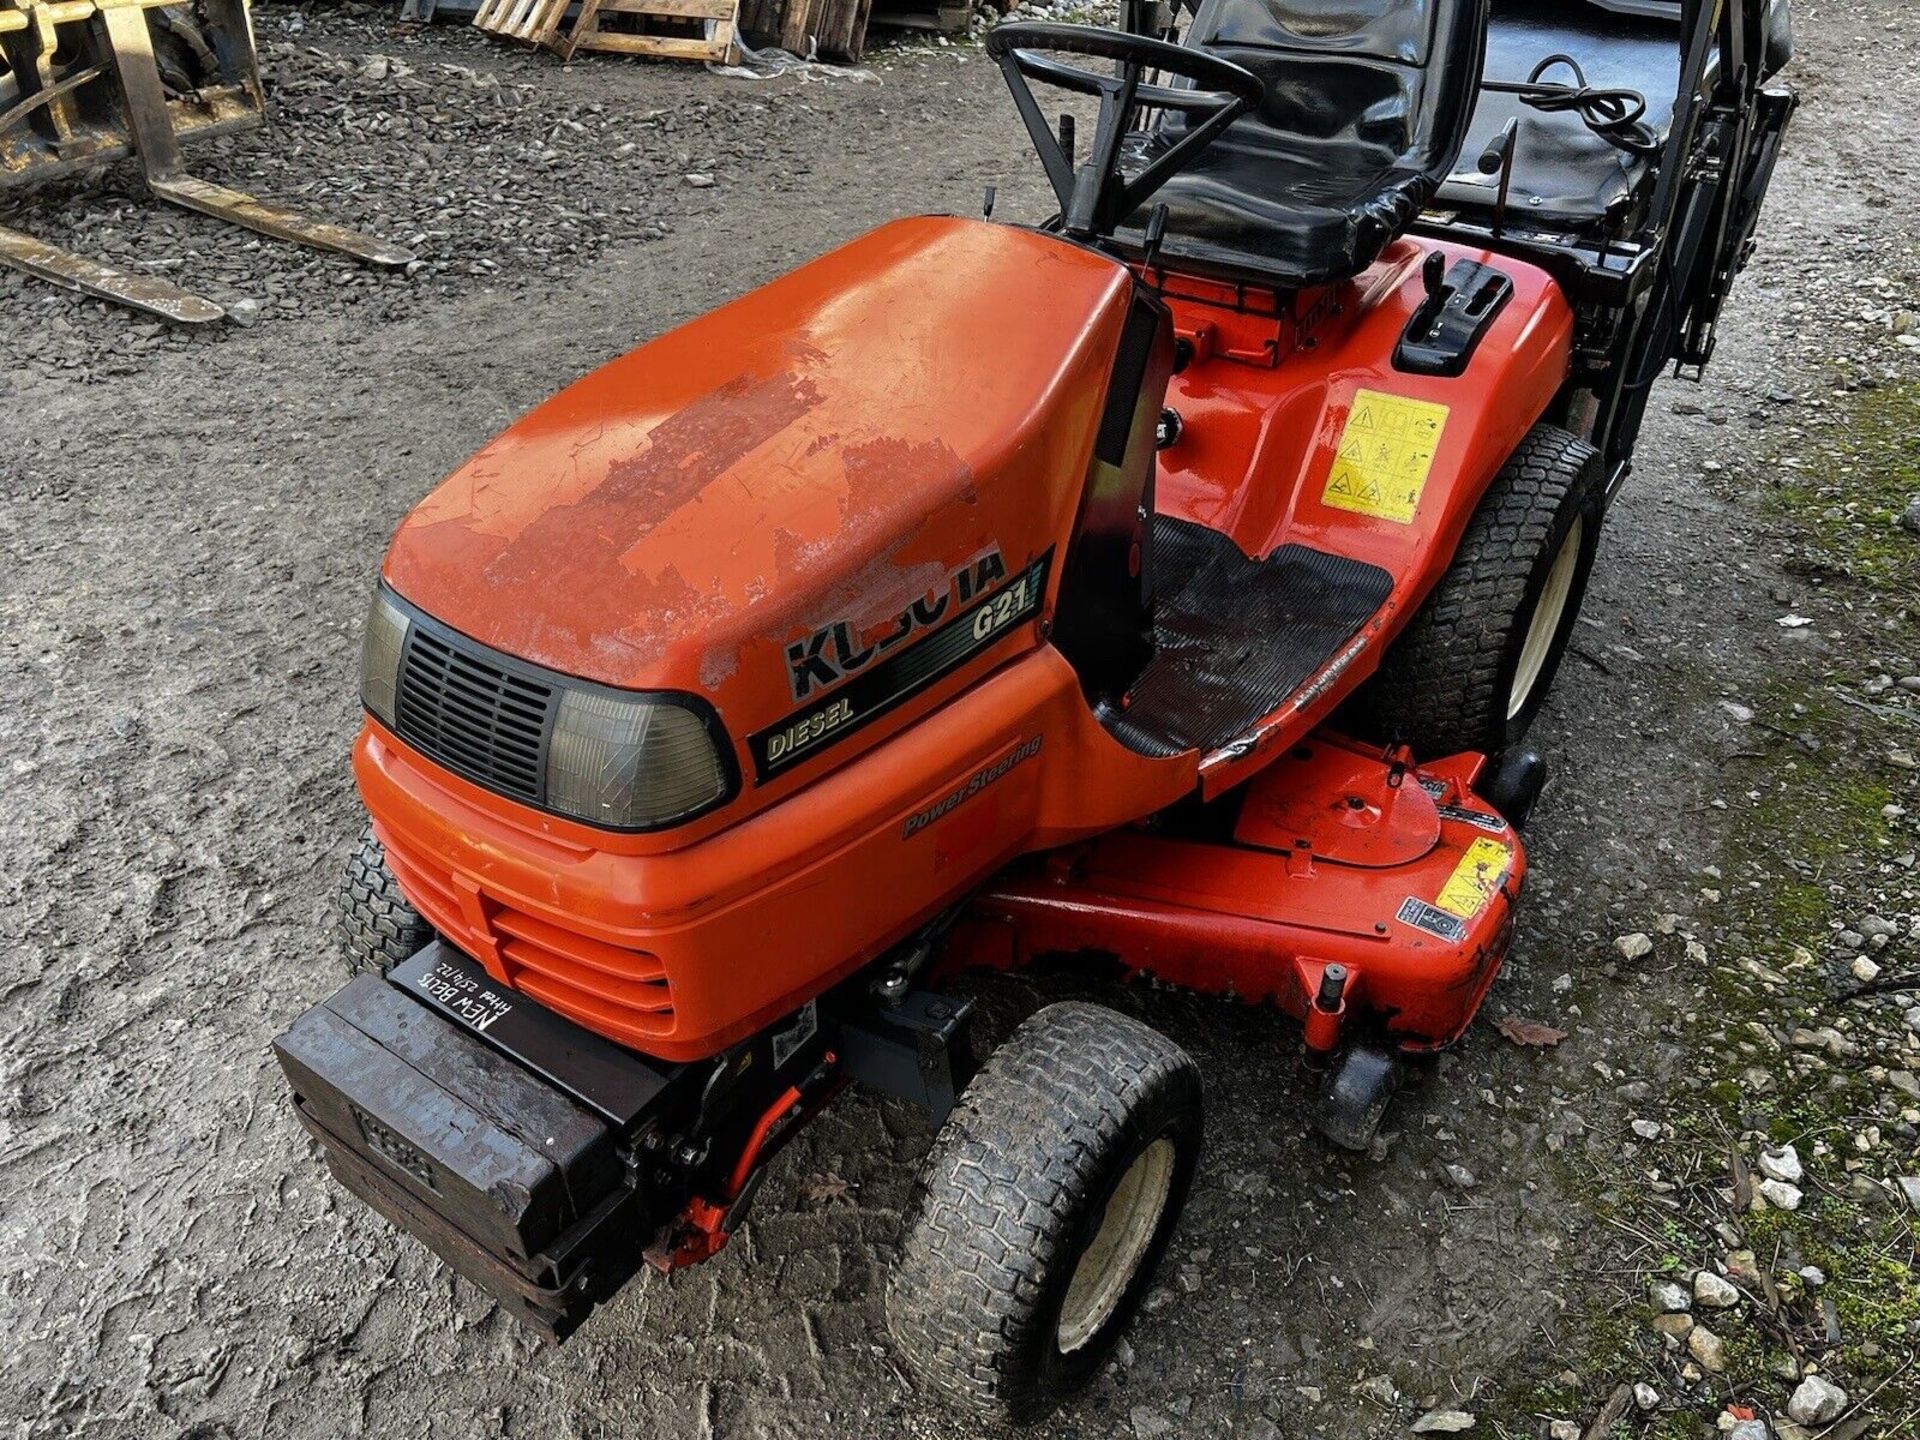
(883, 684)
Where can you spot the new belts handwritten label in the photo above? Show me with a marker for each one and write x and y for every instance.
(473, 1002)
(902, 675)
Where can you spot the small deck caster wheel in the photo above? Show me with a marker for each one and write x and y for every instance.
(1355, 1094)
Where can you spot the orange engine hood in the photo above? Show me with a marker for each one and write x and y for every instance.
(829, 448)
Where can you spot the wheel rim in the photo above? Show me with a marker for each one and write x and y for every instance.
(1545, 625)
(1108, 1265)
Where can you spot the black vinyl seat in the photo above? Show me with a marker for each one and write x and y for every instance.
(1565, 176)
(1366, 112)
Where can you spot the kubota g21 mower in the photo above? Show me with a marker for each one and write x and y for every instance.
(1174, 580)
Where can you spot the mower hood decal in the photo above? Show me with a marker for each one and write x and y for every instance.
(890, 682)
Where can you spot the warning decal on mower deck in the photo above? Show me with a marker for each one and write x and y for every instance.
(1418, 913)
(1476, 879)
(1385, 455)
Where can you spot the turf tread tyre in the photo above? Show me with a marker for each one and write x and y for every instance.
(1016, 1179)
(1443, 686)
(374, 925)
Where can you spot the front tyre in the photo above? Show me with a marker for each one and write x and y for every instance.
(373, 924)
(1047, 1201)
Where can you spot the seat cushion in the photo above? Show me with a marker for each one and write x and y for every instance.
(1366, 109)
(1564, 175)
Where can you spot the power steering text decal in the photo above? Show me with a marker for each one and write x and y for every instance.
(976, 782)
(884, 684)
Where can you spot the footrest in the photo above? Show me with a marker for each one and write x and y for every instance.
(1235, 637)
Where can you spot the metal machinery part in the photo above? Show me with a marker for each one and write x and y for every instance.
(86, 82)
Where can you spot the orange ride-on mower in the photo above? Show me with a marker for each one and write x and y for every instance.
(1174, 580)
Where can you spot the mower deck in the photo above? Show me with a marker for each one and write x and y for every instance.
(1401, 881)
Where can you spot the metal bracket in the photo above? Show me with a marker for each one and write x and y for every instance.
(915, 1049)
(74, 127)
(130, 47)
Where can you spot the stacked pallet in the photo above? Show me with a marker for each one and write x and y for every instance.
(708, 30)
(811, 29)
(946, 17)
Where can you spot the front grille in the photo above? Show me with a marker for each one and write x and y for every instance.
(472, 716)
(623, 993)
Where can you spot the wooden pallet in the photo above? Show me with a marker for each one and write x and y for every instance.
(812, 29)
(636, 31)
(534, 22)
(947, 17)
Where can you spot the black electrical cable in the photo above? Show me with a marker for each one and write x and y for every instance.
(1615, 114)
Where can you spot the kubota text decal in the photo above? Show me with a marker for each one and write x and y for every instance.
(833, 652)
(898, 678)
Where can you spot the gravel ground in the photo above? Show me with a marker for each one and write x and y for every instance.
(190, 528)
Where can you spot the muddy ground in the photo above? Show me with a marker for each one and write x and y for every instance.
(189, 531)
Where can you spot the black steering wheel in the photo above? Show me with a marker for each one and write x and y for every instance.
(1095, 197)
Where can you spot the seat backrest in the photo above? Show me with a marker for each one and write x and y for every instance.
(1395, 77)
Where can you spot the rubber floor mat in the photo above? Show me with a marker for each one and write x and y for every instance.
(1235, 637)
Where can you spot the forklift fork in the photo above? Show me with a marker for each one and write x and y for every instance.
(128, 63)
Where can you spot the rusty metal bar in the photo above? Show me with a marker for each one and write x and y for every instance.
(62, 12)
(105, 282)
(65, 86)
(240, 208)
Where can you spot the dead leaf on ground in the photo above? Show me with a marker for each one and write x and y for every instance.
(1522, 1031)
(823, 1189)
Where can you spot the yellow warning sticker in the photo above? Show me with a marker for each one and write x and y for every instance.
(1385, 455)
(1476, 879)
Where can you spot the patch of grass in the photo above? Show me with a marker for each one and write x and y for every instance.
(1875, 1294)
(1847, 511)
(1801, 854)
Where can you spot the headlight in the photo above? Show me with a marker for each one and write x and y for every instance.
(631, 762)
(380, 652)
(627, 760)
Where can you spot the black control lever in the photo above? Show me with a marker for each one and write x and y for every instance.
(1497, 159)
(1433, 276)
(1499, 149)
(1155, 234)
(1461, 304)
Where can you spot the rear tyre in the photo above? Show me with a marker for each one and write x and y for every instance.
(1047, 1200)
(373, 924)
(1473, 666)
